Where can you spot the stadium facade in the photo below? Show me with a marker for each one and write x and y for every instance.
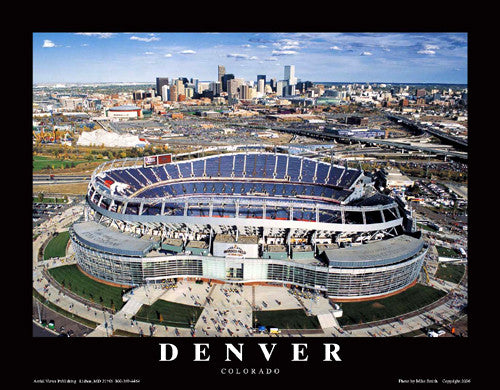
(246, 217)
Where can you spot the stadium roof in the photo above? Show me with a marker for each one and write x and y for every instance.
(375, 254)
(107, 240)
(375, 199)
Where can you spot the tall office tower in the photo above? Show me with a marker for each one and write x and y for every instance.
(165, 91)
(202, 86)
(221, 71)
(261, 77)
(281, 87)
(244, 92)
(179, 83)
(160, 82)
(173, 93)
(233, 87)
(273, 84)
(261, 83)
(138, 95)
(224, 80)
(215, 87)
(290, 74)
(189, 92)
(195, 83)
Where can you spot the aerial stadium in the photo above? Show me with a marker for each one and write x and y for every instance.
(248, 218)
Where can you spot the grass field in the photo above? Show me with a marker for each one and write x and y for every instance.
(57, 246)
(169, 313)
(286, 319)
(412, 299)
(450, 272)
(70, 277)
(41, 162)
(447, 252)
(426, 227)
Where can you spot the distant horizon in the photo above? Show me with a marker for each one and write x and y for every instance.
(207, 81)
(415, 58)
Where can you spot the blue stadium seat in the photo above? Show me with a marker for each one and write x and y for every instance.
(147, 172)
(172, 171)
(258, 170)
(198, 168)
(160, 172)
(238, 165)
(270, 160)
(281, 166)
(185, 168)
(226, 165)
(250, 165)
(294, 168)
(211, 167)
(308, 168)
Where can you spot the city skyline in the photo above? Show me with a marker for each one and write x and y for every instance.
(317, 57)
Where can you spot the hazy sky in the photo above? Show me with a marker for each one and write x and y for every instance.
(337, 57)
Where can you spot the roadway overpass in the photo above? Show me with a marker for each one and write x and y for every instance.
(459, 143)
(370, 141)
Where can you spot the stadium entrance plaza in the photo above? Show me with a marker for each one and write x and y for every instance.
(228, 310)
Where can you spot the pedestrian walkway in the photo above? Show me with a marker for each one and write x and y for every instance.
(131, 307)
(228, 310)
(327, 320)
(100, 331)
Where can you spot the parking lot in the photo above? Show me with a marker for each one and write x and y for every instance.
(44, 211)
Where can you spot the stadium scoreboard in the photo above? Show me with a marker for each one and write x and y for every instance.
(150, 161)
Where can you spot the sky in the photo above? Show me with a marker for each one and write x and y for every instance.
(73, 57)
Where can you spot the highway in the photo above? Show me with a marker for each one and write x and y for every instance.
(455, 141)
(371, 141)
(60, 179)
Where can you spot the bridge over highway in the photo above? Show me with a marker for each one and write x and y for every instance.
(371, 141)
(422, 128)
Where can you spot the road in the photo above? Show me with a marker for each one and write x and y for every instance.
(59, 179)
(38, 331)
(371, 141)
